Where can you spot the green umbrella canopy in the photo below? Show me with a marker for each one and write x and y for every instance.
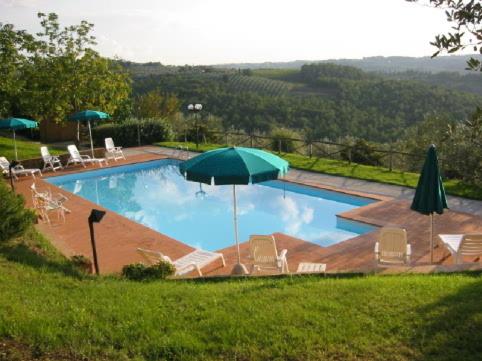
(88, 115)
(430, 193)
(235, 165)
(17, 123)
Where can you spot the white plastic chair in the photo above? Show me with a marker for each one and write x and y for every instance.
(113, 152)
(463, 245)
(195, 260)
(18, 169)
(77, 158)
(265, 255)
(50, 161)
(392, 247)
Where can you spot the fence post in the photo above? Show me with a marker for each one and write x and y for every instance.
(279, 146)
(390, 165)
(226, 137)
(251, 140)
(311, 149)
(349, 155)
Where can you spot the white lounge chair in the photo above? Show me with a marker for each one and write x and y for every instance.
(393, 247)
(50, 161)
(113, 152)
(460, 245)
(18, 169)
(195, 260)
(265, 255)
(77, 158)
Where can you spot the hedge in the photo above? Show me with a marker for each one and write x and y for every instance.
(125, 134)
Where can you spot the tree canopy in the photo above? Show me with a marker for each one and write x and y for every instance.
(56, 72)
(465, 17)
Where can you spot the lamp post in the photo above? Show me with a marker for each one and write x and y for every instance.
(195, 108)
(95, 217)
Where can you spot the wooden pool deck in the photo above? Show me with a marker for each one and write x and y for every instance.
(118, 237)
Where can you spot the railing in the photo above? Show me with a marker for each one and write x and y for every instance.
(388, 157)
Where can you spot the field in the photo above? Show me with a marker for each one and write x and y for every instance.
(25, 149)
(49, 312)
(353, 170)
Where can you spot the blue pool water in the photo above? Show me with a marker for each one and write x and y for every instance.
(156, 195)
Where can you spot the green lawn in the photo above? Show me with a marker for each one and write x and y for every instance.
(48, 311)
(25, 149)
(353, 170)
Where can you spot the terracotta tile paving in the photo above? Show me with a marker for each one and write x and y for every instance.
(117, 237)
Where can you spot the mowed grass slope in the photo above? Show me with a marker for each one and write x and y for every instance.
(353, 170)
(25, 149)
(51, 310)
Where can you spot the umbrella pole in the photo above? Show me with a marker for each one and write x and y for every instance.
(235, 215)
(239, 268)
(431, 238)
(15, 145)
(91, 142)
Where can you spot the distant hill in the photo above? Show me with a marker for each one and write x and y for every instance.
(324, 100)
(391, 64)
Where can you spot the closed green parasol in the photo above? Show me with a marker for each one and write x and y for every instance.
(88, 115)
(430, 194)
(235, 165)
(16, 124)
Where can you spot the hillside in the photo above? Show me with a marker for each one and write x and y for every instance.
(50, 311)
(327, 100)
(452, 63)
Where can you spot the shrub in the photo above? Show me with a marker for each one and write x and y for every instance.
(82, 262)
(126, 133)
(282, 140)
(141, 272)
(14, 217)
(362, 152)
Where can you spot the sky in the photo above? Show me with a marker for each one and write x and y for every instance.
(195, 32)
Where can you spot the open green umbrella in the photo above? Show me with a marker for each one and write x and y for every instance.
(16, 124)
(88, 115)
(430, 194)
(235, 165)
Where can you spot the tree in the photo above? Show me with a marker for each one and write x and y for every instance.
(156, 105)
(58, 73)
(466, 18)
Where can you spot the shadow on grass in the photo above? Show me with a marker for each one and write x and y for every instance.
(23, 254)
(452, 326)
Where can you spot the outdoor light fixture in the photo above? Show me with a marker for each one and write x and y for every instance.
(195, 108)
(95, 217)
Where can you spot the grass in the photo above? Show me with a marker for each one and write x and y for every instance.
(358, 171)
(26, 149)
(48, 311)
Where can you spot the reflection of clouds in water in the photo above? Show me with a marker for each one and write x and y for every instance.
(326, 238)
(243, 209)
(293, 216)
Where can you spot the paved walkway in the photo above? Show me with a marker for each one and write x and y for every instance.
(398, 192)
(119, 237)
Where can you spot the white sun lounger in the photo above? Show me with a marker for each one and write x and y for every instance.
(77, 158)
(460, 245)
(113, 152)
(265, 255)
(393, 247)
(195, 260)
(50, 161)
(18, 169)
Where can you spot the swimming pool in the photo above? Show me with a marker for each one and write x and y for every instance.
(157, 196)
